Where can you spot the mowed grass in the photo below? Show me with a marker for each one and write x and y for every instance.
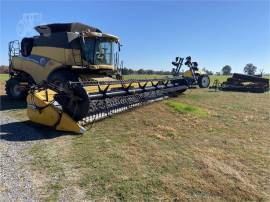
(185, 108)
(220, 78)
(156, 153)
(163, 152)
(3, 77)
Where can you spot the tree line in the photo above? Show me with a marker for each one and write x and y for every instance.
(127, 71)
(3, 69)
(249, 69)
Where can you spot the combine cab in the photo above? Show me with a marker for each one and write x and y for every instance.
(70, 72)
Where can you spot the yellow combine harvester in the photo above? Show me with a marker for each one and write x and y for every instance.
(70, 72)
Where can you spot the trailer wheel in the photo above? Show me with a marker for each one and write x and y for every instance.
(13, 89)
(204, 81)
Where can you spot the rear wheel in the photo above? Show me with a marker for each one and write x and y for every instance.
(14, 90)
(204, 81)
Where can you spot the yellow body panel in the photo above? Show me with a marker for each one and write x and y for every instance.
(58, 54)
(72, 57)
(38, 72)
(200, 72)
(102, 67)
(95, 89)
(49, 115)
(187, 73)
(57, 58)
(17, 62)
(68, 124)
(64, 56)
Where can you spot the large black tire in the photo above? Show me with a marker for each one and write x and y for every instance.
(13, 91)
(204, 81)
(61, 77)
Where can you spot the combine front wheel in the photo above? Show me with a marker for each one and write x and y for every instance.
(14, 89)
(61, 77)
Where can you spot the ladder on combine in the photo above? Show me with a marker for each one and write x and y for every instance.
(13, 51)
(77, 57)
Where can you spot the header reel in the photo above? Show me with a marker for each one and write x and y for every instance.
(72, 107)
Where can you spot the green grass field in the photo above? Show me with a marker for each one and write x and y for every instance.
(3, 78)
(200, 146)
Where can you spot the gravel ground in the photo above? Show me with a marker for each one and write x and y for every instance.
(15, 179)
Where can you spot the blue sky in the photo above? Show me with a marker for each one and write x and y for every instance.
(214, 33)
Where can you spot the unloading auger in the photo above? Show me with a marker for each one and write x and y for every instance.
(73, 106)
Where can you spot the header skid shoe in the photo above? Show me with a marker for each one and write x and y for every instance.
(72, 107)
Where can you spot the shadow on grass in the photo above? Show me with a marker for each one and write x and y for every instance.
(28, 131)
(7, 103)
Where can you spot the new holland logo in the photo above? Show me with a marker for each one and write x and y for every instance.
(37, 59)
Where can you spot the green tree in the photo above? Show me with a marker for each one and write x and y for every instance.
(250, 69)
(149, 71)
(130, 71)
(226, 70)
(209, 72)
(125, 71)
(140, 71)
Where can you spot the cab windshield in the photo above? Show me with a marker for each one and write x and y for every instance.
(99, 51)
